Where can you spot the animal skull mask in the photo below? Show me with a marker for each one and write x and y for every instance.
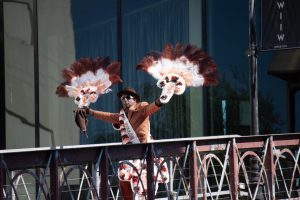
(83, 97)
(170, 84)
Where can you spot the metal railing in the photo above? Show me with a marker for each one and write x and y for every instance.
(199, 168)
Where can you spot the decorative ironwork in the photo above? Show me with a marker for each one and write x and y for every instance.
(199, 168)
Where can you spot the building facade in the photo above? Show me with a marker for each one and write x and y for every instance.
(39, 38)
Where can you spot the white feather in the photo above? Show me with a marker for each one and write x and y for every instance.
(91, 81)
(72, 91)
(181, 66)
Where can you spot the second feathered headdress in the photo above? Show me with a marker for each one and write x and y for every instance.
(178, 68)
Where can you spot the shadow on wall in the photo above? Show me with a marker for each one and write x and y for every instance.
(28, 123)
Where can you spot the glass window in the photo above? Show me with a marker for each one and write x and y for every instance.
(89, 29)
(227, 30)
(95, 28)
(147, 26)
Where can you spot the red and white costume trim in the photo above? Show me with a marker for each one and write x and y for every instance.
(137, 175)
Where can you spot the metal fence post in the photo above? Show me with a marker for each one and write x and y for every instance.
(193, 171)
(150, 173)
(54, 181)
(2, 178)
(104, 174)
(203, 178)
(270, 169)
(233, 171)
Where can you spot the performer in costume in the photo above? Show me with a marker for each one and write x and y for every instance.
(175, 69)
(87, 79)
(137, 113)
(133, 122)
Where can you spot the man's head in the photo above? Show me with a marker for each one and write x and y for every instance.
(128, 97)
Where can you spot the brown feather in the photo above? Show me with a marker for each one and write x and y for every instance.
(211, 79)
(189, 51)
(68, 74)
(82, 66)
(115, 79)
(114, 70)
(148, 60)
(168, 52)
(206, 66)
(145, 63)
(179, 50)
(155, 55)
(61, 90)
(195, 56)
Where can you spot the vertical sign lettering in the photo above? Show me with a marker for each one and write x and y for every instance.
(280, 28)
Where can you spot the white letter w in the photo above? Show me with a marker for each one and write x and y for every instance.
(280, 4)
(280, 37)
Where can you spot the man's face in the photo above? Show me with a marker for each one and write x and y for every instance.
(127, 101)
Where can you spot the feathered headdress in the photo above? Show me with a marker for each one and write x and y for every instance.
(87, 78)
(178, 68)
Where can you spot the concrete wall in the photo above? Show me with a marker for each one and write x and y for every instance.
(56, 50)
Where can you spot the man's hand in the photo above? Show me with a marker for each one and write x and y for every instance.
(80, 115)
(158, 102)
